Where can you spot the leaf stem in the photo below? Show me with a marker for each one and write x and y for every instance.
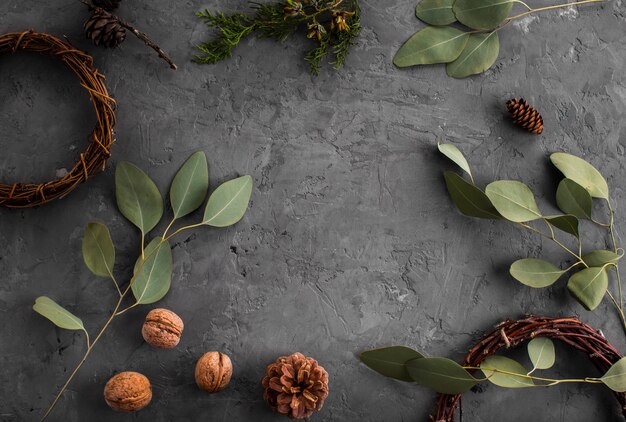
(556, 6)
(553, 238)
(550, 381)
(524, 4)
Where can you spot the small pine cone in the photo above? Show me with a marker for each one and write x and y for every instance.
(104, 30)
(525, 116)
(108, 5)
(295, 386)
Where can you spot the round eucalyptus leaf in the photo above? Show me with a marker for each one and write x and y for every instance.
(470, 200)
(589, 286)
(513, 200)
(541, 352)
(571, 198)
(479, 54)
(600, 258)
(433, 44)
(98, 250)
(581, 172)
(190, 185)
(515, 379)
(390, 361)
(615, 377)
(567, 223)
(457, 157)
(482, 14)
(435, 12)
(154, 278)
(228, 203)
(137, 196)
(57, 314)
(535, 273)
(441, 375)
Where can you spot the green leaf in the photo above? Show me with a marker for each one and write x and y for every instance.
(390, 361)
(138, 198)
(441, 375)
(154, 278)
(98, 250)
(59, 316)
(482, 14)
(190, 185)
(600, 258)
(581, 172)
(501, 363)
(479, 54)
(435, 12)
(535, 273)
(431, 45)
(566, 223)
(470, 200)
(454, 154)
(573, 199)
(541, 352)
(228, 203)
(513, 200)
(615, 377)
(589, 286)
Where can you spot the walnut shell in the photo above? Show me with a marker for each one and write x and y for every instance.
(213, 372)
(162, 329)
(128, 392)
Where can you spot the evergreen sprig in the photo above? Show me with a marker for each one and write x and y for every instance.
(334, 26)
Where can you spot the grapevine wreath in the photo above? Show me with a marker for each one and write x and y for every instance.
(94, 158)
(512, 333)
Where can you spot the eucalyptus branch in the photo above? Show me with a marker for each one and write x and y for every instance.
(550, 381)
(556, 6)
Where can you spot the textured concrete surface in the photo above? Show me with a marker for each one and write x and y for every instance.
(351, 241)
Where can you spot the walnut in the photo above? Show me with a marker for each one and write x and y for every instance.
(213, 372)
(128, 392)
(162, 329)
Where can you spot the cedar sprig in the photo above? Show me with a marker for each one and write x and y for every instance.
(334, 26)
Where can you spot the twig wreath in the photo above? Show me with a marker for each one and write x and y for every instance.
(93, 159)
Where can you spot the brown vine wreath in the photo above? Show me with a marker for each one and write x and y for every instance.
(512, 333)
(94, 158)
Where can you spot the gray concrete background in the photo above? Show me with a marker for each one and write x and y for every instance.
(351, 241)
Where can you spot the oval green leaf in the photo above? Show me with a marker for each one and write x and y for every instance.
(581, 172)
(435, 12)
(541, 352)
(59, 316)
(589, 286)
(513, 200)
(138, 198)
(514, 379)
(228, 203)
(600, 258)
(431, 45)
(566, 223)
(482, 14)
(470, 200)
(98, 250)
(441, 375)
(154, 278)
(390, 361)
(479, 54)
(615, 377)
(535, 273)
(457, 157)
(190, 185)
(571, 198)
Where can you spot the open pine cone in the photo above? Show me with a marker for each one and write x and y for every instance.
(295, 386)
(103, 29)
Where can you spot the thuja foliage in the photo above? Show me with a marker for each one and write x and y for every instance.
(333, 25)
(462, 33)
(140, 201)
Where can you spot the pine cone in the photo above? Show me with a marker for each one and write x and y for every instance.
(104, 30)
(108, 5)
(525, 116)
(295, 386)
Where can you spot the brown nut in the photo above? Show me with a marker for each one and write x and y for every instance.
(162, 329)
(128, 392)
(213, 372)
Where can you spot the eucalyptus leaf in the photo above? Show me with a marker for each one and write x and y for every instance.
(470, 200)
(535, 273)
(430, 45)
(515, 379)
(581, 172)
(390, 361)
(441, 375)
(600, 258)
(479, 54)
(435, 12)
(454, 154)
(59, 316)
(567, 223)
(138, 198)
(228, 203)
(541, 352)
(98, 250)
(482, 14)
(615, 377)
(513, 200)
(154, 278)
(589, 286)
(573, 199)
(190, 185)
